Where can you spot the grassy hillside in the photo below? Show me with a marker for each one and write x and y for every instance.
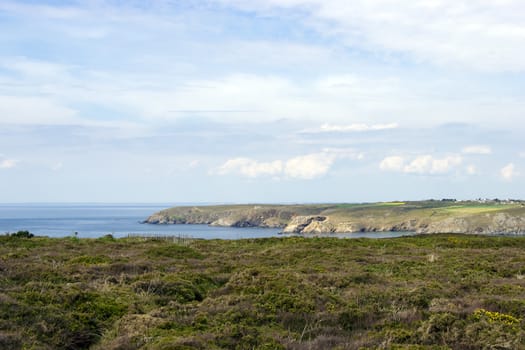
(422, 216)
(421, 292)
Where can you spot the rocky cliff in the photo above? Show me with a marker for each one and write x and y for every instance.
(421, 217)
(500, 223)
(233, 216)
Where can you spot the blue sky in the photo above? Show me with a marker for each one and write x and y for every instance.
(261, 101)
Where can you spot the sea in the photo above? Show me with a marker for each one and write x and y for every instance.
(94, 220)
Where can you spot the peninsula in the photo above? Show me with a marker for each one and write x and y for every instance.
(431, 216)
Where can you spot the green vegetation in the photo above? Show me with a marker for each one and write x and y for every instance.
(22, 234)
(420, 292)
(474, 217)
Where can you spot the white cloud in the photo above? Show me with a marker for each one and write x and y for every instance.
(180, 84)
(34, 110)
(48, 93)
(309, 166)
(304, 167)
(485, 35)
(343, 153)
(275, 52)
(471, 169)
(420, 165)
(49, 11)
(508, 172)
(424, 164)
(444, 165)
(57, 166)
(8, 163)
(357, 127)
(194, 163)
(251, 168)
(248, 97)
(393, 163)
(36, 69)
(477, 149)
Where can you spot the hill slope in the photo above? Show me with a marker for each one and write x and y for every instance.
(422, 217)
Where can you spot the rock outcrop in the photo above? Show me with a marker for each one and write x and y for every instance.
(302, 224)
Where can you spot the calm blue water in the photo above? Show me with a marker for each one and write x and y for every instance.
(96, 220)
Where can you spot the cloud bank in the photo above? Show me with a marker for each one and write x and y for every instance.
(305, 167)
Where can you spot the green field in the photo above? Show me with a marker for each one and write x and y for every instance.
(420, 292)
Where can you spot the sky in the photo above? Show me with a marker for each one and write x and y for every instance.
(261, 101)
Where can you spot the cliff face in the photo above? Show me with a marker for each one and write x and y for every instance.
(503, 223)
(233, 216)
(420, 217)
(495, 224)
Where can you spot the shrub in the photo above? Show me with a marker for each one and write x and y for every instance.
(22, 234)
(174, 251)
(90, 260)
(10, 341)
(182, 290)
(495, 317)
(107, 238)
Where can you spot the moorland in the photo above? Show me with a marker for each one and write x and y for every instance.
(441, 291)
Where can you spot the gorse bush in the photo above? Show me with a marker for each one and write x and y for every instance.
(496, 317)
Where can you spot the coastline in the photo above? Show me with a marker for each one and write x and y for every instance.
(424, 217)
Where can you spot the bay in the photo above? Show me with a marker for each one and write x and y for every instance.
(93, 220)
